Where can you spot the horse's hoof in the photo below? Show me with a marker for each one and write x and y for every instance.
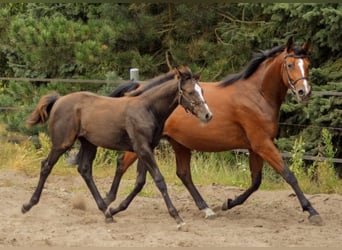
(316, 220)
(227, 205)
(209, 214)
(182, 227)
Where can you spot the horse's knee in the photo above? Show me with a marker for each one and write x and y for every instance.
(160, 182)
(181, 174)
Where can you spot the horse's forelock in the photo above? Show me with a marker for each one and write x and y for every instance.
(299, 51)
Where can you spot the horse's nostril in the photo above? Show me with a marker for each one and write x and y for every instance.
(301, 92)
(208, 116)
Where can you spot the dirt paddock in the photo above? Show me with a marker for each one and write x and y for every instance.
(67, 216)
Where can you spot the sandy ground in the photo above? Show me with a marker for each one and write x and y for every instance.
(268, 218)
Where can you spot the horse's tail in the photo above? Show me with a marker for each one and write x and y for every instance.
(124, 88)
(42, 112)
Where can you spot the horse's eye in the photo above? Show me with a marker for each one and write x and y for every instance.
(191, 93)
(290, 65)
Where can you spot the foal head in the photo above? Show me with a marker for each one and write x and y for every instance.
(190, 94)
(295, 71)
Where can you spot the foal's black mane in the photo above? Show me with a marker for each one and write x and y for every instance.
(257, 59)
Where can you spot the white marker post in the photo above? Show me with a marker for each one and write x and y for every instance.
(134, 74)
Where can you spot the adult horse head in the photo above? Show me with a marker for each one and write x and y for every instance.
(295, 71)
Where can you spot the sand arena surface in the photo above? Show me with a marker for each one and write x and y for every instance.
(67, 216)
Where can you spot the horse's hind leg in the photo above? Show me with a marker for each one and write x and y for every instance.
(255, 165)
(183, 158)
(87, 154)
(123, 163)
(139, 184)
(46, 167)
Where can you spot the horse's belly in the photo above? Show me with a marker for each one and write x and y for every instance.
(207, 138)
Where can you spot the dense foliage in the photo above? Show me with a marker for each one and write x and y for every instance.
(102, 41)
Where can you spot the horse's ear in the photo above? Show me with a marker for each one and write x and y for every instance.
(289, 44)
(197, 76)
(307, 45)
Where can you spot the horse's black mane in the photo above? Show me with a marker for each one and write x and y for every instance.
(185, 75)
(123, 88)
(257, 59)
(154, 82)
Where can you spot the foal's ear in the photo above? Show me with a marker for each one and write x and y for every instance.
(307, 45)
(182, 72)
(289, 44)
(178, 73)
(197, 76)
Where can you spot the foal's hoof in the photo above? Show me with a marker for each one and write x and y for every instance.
(316, 220)
(25, 208)
(109, 220)
(209, 214)
(182, 227)
(108, 216)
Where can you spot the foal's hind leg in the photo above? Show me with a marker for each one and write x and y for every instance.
(46, 167)
(86, 157)
(183, 158)
(255, 165)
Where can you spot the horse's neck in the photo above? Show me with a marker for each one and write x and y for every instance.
(163, 100)
(271, 84)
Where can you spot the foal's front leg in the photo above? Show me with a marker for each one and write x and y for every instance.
(139, 184)
(146, 155)
(147, 162)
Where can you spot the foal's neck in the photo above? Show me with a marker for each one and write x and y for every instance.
(163, 100)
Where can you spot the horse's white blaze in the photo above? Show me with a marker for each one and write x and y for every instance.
(199, 91)
(301, 67)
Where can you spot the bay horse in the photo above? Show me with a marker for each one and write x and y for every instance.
(246, 109)
(132, 123)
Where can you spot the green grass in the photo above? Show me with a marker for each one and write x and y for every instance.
(226, 168)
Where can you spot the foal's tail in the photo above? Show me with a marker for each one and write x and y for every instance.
(41, 114)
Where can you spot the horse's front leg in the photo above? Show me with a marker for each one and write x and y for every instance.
(183, 158)
(270, 153)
